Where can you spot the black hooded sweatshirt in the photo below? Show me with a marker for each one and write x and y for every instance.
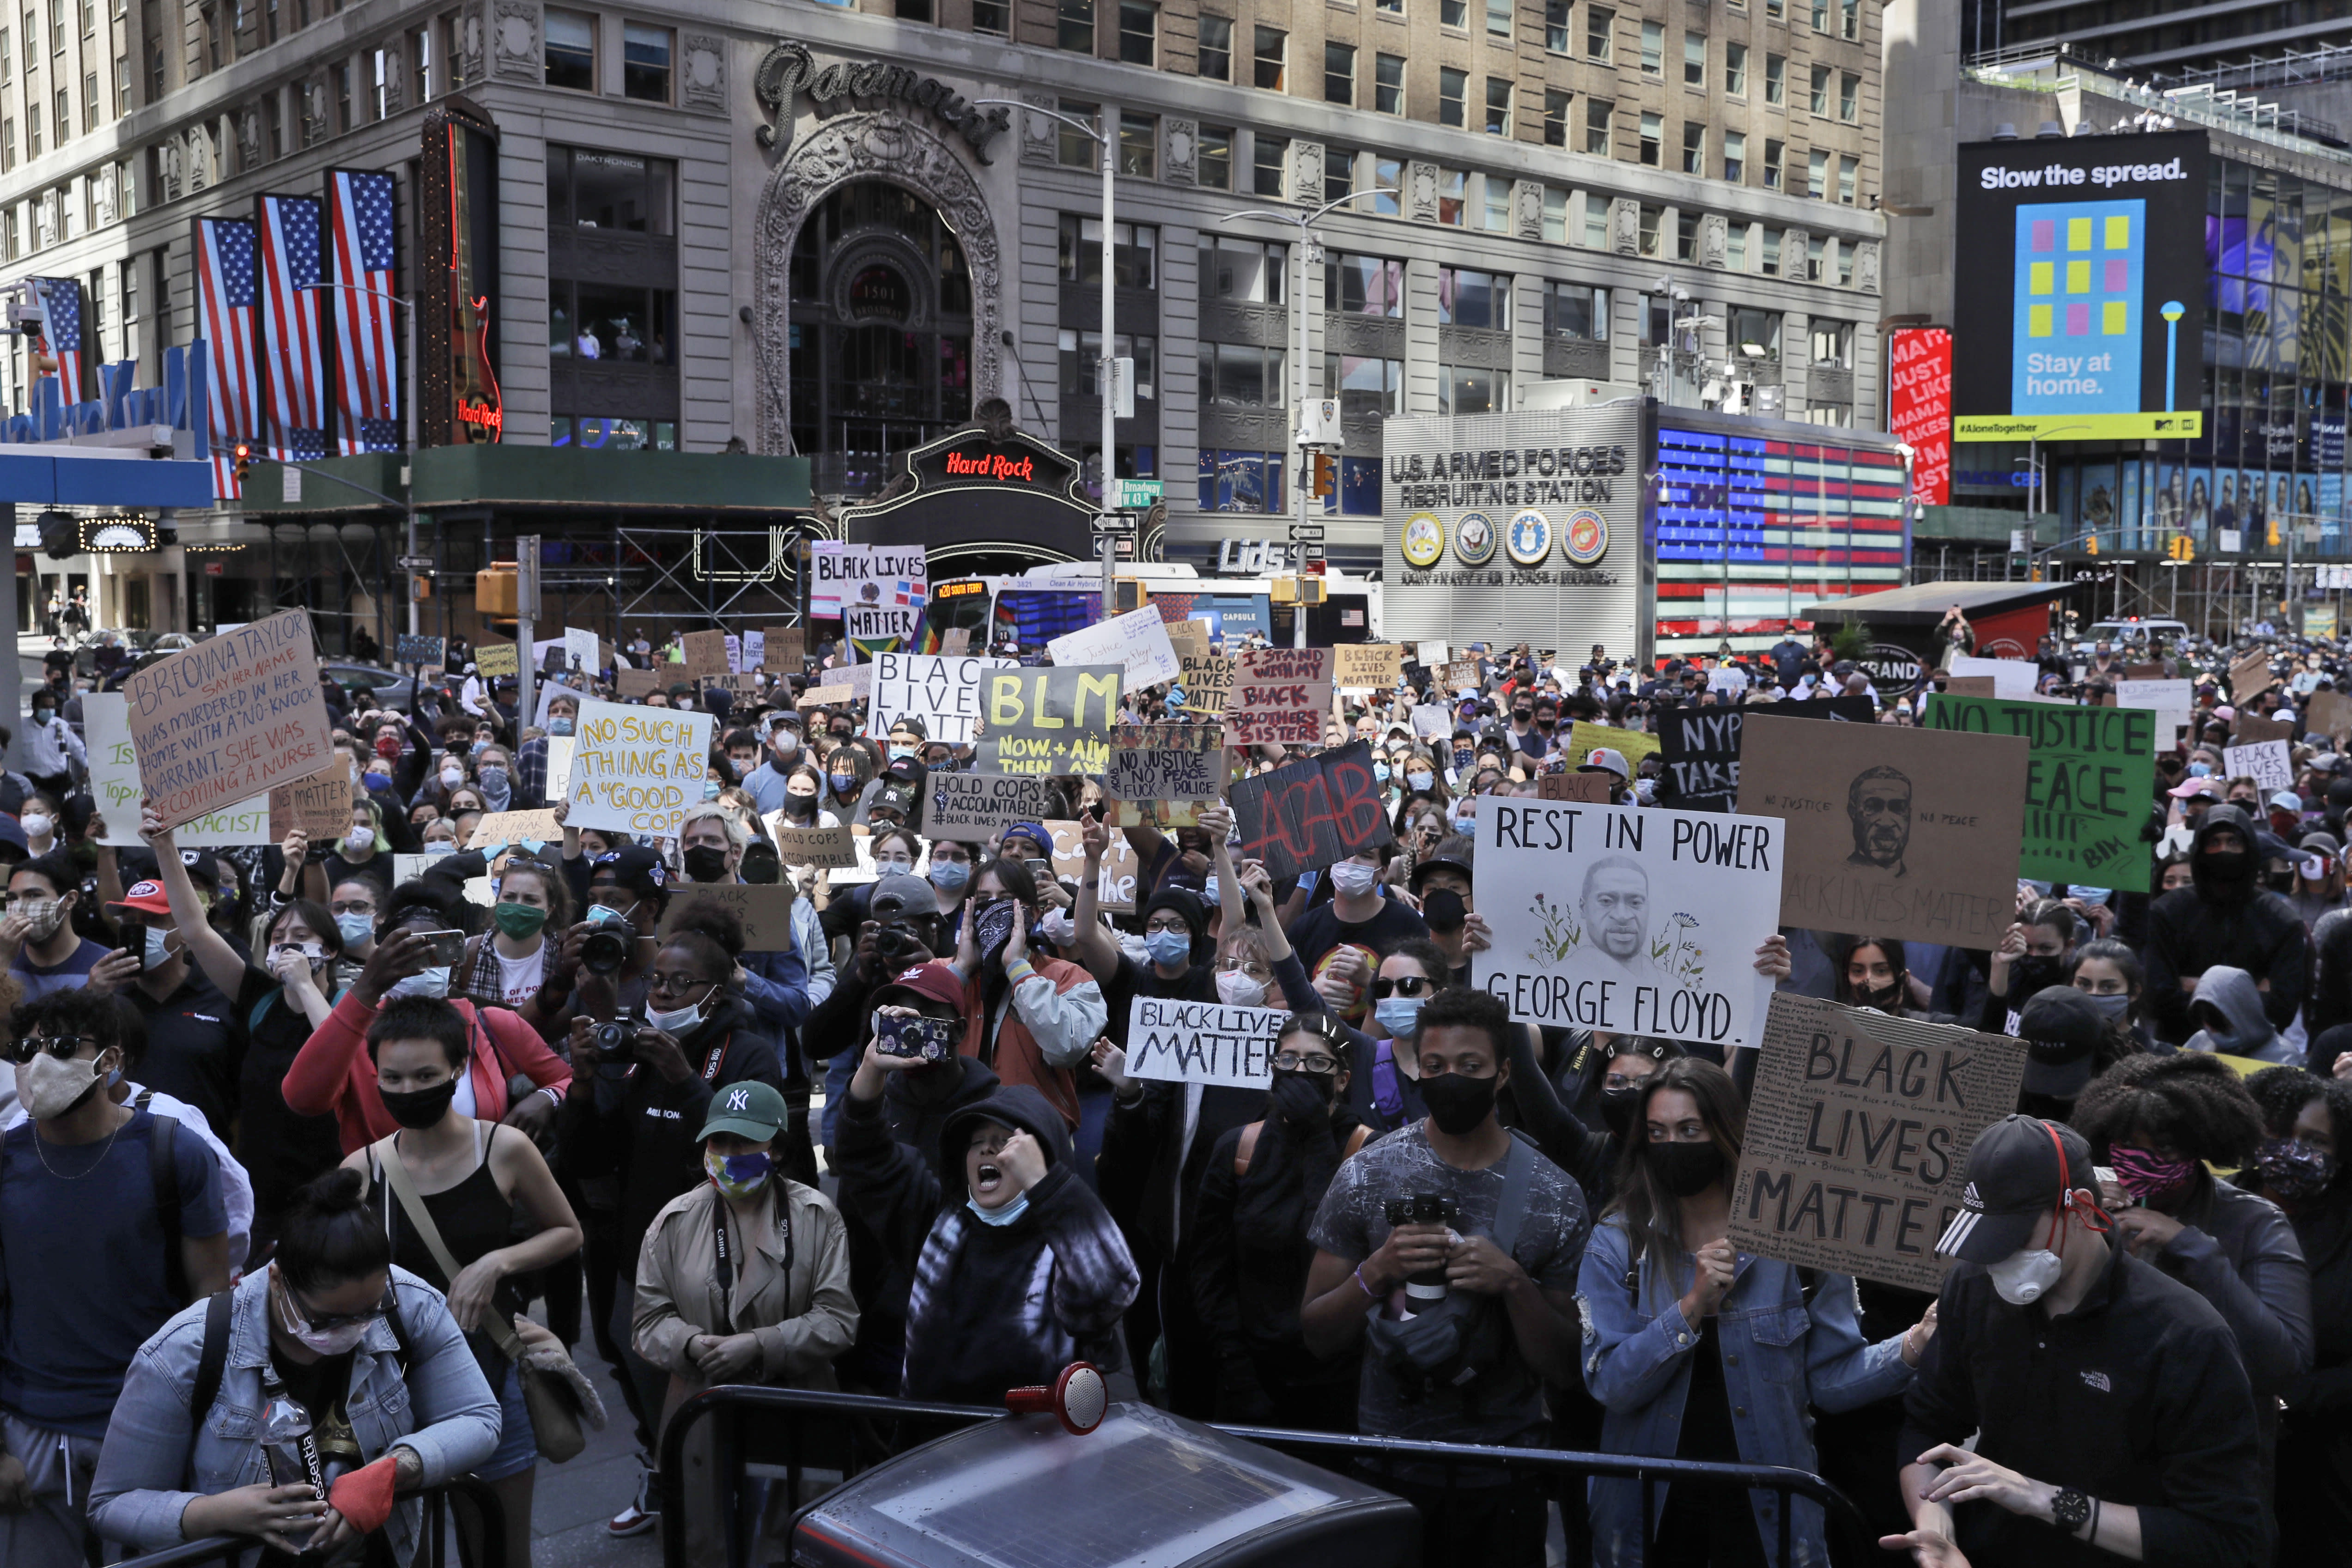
(2218, 920)
(886, 1154)
(1009, 1305)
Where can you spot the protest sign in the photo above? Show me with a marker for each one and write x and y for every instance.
(970, 807)
(2011, 676)
(2254, 729)
(583, 650)
(1639, 921)
(1190, 638)
(706, 655)
(1912, 834)
(1114, 888)
(114, 787)
(827, 696)
(2169, 700)
(1859, 1128)
(828, 848)
(1280, 696)
(2250, 677)
(1201, 1042)
(955, 640)
(321, 805)
(2088, 786)
(637, 769)
(858, 677)
(764, 907)
(755, 651)
(1699, 747)
(1056, 720)
(493, 659)
(636, 682)
(230, 718)
(1631, 744)
(1590, 788)
(1971, 686)
(785, 649)
(518, 828)
(845, 577)
(1207, 681)
(1429, 655)
(1136, 774)
(559, 765)
(2267, 763)
(1137, 642)
(873, 626)
(1169, 737)
(412, 651)
(2327, 713)
(1311, 813)
(1367, 666)
(944, 693)
(734, 653)
(1459, 675)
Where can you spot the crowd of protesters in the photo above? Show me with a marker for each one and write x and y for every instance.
(320, 1156)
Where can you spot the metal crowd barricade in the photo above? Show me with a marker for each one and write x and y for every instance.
(792, 1431)
(432, 1550)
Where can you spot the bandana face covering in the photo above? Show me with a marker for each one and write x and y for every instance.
(737, 1175)
(2151, 1178)
(2294, 1170)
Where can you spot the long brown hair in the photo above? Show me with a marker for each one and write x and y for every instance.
(1652, 1215)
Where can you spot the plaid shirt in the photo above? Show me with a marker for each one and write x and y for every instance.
(530, 775)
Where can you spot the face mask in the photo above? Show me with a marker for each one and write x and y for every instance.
(358, 841)
(2151, 1178)
(1168, 948)
(678, 1022)
(1418, 783)
(1443, 909)
(2021, 1277)
(42, 919)
(355, 926)
(1458, 1104)
(420, 1108)
(1004, 1215)
(1381, 772)
(2200, 770)
(1399, 1015)
(843, 783)
(786, 742)
(994, 926)
(737, 1175)
(1886, 998)
(341, 1339)
(43, 715)
(434, 982)
(1209, 891)
(2294, 1170)
(704, 864)
(800, 806)
(2036, 971)
(709, 788)
(37, 826)
(518, 921)
(1464, 825)
(452, 777)
(1237, 989)
(1617, 1109)
(899, 753)
(158, 954)
(441, 847)
(892, 867)
(479, 747)
(49, 1087)
(2113, 1008)
(1353, 878)
(1686, 1170)
(559, 726)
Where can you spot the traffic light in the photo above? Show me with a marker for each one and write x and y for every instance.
(2180, 549)
(243, 452)
(2091, 544)
(1327, 475)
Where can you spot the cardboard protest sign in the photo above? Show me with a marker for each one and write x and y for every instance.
(955, 640)
(1973, 686)
(230, 718)
(2267, 763)
(1639, 921)
(2171, 700)
(114, 785)
(1590, 788)
(2326, 713)
(1429, 655)
(2011, 676)
(1136, 774)
(411, 649)
(1187, 637)
(2254, 729)
(1114, 888)
(827, 696)
(1367, 666)
(764, 907)
(638, 769)
(1699, 747)
(1201, 1042)
(706, 655)
(518, 828)
(1311, 813)
(1911, 833)
(2088, 786)
(1168, 737)
(495, 658)
(858, 677)
(827, 848)
(321, 805)
(636, 682)
(1632, 744)
(873, 626)
(1136, 641)
(1280, 697)
(1206, 680)
(1859, 1127)
(1056, 720)
(971, 807)
(2251, 677)
(944, 693)
(1459, 675)
(785, 649)
(583, 650)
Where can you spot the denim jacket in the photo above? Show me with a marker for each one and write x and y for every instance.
(150, 1469)
(1780, 1353)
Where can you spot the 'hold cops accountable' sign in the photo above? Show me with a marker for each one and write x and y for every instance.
(1637, 921)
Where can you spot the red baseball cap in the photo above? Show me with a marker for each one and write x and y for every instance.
(934, 982)
(147, 897)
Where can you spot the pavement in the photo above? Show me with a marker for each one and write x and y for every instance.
(572, 1501)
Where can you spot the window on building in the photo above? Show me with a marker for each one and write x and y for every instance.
(1575, 311)
(1751, 329)
(1849, 20)
(1082, 356)
(1268, 156)
(1816, 248)
(64, 121)
(1845, 263)
(1472, 389)
(1556, 26)
(1388, 83)
(1832, 341)
(644, 62)
(1850, 97)
(90, 100)
(1555, 215)
(1217, 157)
(1454, 13)
(1453, 192)
(1498, 17)
(992, 16)
(1073, 25)
(1694, 147)
(613, 322)
(1138, 145)
(1774, 154)
(1389, 7)
(1339, 173)
(1233, 482)
(1138, 32)
(1365, 385)
(1849, 177)
(1819, 100)
(1339, 73)
(1735, 248)
(1596, 126)
(1468, 299)
(1498, 106)
(7, 60)
(1452, 85)
(1650, 218)
(1498, 203)
(1693, 59)
(1556, 112)
(1771, 260)
(1686, 236)
(571, 50)
(1356, 285)
(1775, 9)
(1776, 79)
(1388, 186)
(1216, 47)
(1653, 48)
(273, 125)
(1817, 173)
(1653, 131)
(1820, 15)
(1734, 70)
(32, 129)
(1596, 223)
(1600, 24)
(379, 72)
(1073, 148)
(1836, 416)
(912, 10)
(1734, 156)
(1243, 375)
(1272, 51)
(611, 192)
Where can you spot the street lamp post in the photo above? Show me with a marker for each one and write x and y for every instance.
(408, 309)
(1310, 253)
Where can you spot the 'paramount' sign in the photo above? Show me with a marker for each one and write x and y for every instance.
(789, 69)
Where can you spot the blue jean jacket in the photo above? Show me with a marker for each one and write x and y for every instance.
(152, 1467)
(1780, 1354)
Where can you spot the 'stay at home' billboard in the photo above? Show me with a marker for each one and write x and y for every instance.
(2083, 315)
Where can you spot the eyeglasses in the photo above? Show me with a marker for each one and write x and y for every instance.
(58, 1045)
(1173, 923)
(1317, 1066)
(352, 907)
(1408, 986)
(677, 985)
(327, 1323)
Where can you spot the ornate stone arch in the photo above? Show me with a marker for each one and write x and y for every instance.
(879, 145)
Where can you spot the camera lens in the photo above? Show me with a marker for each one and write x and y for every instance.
(604, 952)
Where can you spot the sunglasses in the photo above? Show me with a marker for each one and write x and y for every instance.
(327, 1323)
(1410, 986)
(58, 1045)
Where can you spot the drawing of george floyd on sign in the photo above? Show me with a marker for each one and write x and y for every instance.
(1635, 920)
(1201, 1042)
(637, 769)
(1049, 720)
(230, 718)
(1912, 834)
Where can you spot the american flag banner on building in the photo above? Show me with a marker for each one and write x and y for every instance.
(225, 312)
(61, 298)
(360, 243)
(294, 357)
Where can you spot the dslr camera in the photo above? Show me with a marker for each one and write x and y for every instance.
(616, 1040)
(1424, 1208)
(899, 942)
(607, 948)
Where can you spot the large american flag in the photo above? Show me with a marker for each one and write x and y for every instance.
(292, 351)
(225, 311)
(61, 298)
(367, 381)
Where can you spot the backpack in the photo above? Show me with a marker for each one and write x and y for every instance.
(163, 1171)
(214, 1359)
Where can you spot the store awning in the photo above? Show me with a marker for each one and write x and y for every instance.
(517, 477)
(1923, 604)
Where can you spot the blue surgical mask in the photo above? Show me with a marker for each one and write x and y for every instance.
(1419, 783)
(1465, 824)
(2200, 770)
(710, 789)
(433, 982)
(1381, 772)
(1168, 948)
(1399, 1015)
(2091, 895)
(899, 753)
(559, 726)
(842, 782)
(950, 876)
(442, 847)
(156, 956)
(357, 927)
(1004, 1215)
(599, 913)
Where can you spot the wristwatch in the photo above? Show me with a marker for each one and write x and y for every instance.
(2070, 1511)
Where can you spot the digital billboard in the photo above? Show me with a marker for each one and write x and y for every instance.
(2081, 312)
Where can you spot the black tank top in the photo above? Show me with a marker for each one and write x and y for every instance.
(473, 1218)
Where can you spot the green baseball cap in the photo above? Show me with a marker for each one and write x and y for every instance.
(748, 1110)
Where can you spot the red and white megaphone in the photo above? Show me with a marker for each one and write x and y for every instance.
(1079, 1399)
